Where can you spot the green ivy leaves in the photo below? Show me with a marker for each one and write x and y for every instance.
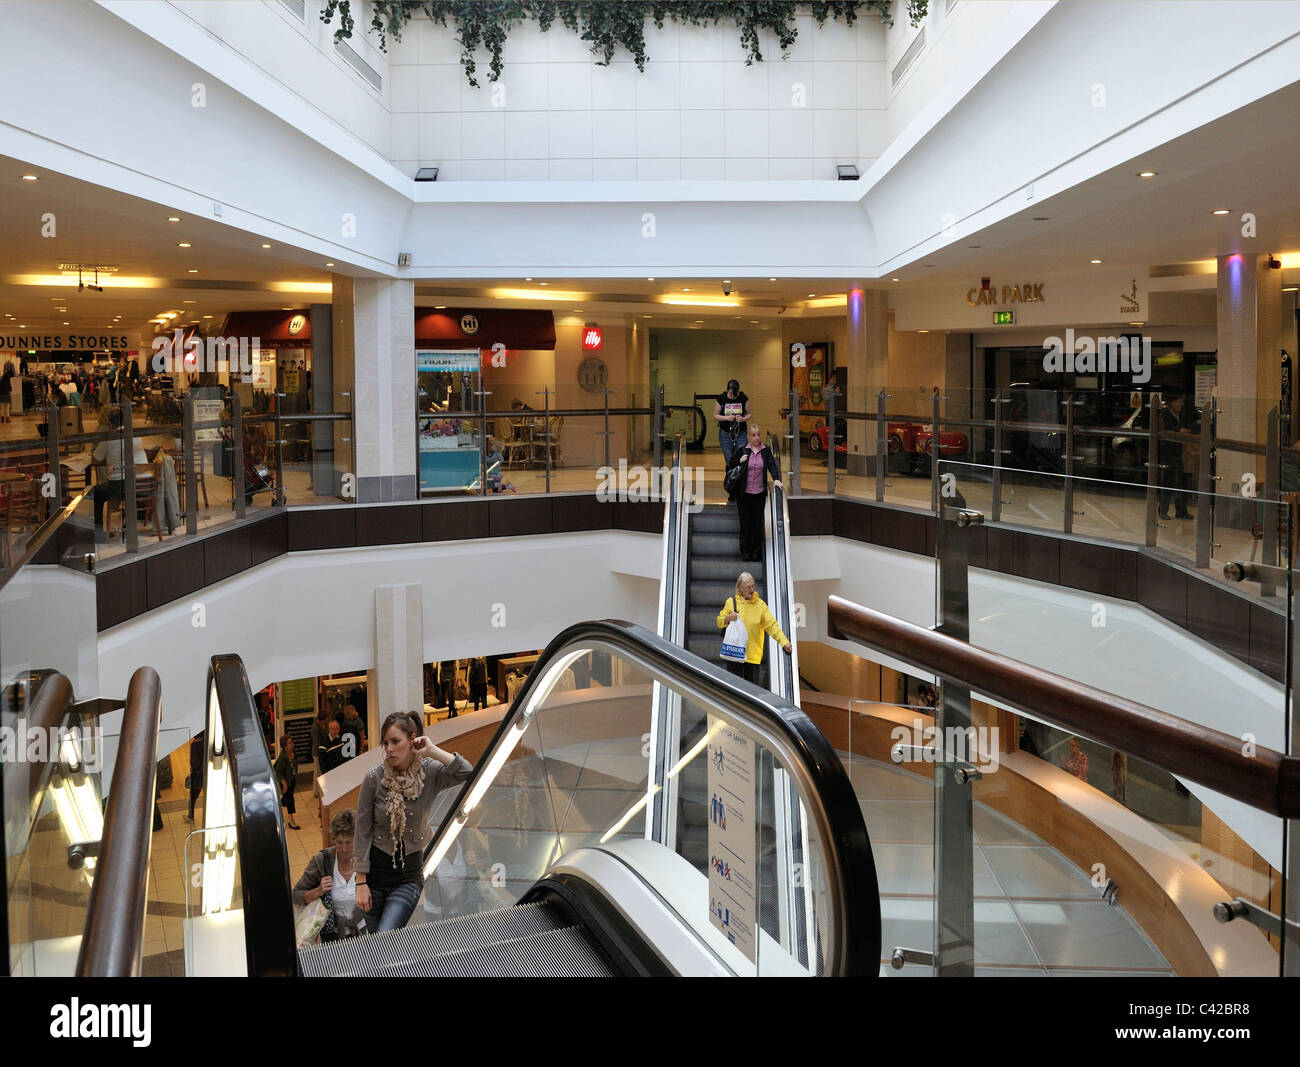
(607, 25)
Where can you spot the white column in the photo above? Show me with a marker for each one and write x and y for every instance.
(866, 361)
(398, 677)
(374, 337)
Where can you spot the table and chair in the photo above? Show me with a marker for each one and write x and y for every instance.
(528, 441)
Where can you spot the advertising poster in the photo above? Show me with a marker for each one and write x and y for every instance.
(809, 381)
(733, 872)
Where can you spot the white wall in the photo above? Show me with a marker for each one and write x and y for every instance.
(313, 613)
(696, 112)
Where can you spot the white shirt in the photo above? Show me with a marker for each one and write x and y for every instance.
(344, 894)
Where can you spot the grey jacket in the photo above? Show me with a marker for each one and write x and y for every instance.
(372, 812)
(319, 867)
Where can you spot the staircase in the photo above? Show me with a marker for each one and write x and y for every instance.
(524, 941)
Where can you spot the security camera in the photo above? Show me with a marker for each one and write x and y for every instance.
(1274, 263)
(726, 288)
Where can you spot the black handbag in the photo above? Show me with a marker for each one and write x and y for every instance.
(736, 474)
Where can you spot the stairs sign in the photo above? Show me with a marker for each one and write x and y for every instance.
(733, 873)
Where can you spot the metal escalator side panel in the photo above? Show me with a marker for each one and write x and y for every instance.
(240, 782)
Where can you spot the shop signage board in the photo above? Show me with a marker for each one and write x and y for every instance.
(733, 870)
(298, 694)
(463, 362)
(208, 410)
(1207, 377)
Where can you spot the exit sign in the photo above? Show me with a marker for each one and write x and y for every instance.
(1004, 318)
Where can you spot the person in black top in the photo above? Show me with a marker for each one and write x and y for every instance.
(730, 410)
(330, 754)
(751, 493)
(1172, 425)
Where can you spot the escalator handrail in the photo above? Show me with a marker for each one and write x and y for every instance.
(47, 713)
(113, 936)
(784, 729)
(269, 939)
(780, 585)
(672, 615)
(1267, 780)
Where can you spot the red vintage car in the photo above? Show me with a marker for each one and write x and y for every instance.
(913, 438)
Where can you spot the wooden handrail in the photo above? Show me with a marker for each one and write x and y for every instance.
(47, 711)
(1267, 780)
(115, 916)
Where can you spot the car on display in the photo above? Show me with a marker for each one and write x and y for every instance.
(913, 439)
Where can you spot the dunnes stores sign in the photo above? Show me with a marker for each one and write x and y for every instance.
(987, 293)
(68, 342)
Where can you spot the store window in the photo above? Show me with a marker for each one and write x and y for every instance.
(448, 399)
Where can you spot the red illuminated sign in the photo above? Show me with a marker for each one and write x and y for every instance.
(591, 338)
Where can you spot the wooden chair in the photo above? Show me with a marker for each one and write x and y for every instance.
(546, 442)
(514, 441)
(21, 514)
(178, 458)
(146, 511)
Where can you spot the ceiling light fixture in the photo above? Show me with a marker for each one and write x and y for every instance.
(1146, 174)
(1220, 211)
(846, 172)
(266, 246)
(193, 270)
(183, 244)
(29, 177)
(329, 264)
(173, 218)
(1094, 261)
(426, 174)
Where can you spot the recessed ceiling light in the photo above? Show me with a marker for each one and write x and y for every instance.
(1041, 218)
(266, 246)
(1146, 174)
(173, 218)
(528, 279)
(286, 309)
(1289, 288)
(922, 331)
(685, 290)
(29, 177)
(22, 325)
(1219, 211)
(543, 283)
(577, 311)
(187, 301)
(771, 279)
(893, 279)
(67, 324)
(184, 244)
(753, 322)
(207, 316)
(726, 281)
(649, 279)
(1094, 261)
(812, 294)
(1137, 323)
(193, 270)
(439, 307)
(329, 264)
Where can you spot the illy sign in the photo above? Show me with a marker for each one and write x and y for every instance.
(591, 338)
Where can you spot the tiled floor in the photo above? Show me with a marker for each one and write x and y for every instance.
(1036, 913)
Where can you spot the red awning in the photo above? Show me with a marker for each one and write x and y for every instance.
(275, 329)
(484, 327)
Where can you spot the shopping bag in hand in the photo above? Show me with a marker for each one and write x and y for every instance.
(734, 641)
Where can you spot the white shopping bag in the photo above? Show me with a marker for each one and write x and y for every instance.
(734, 640)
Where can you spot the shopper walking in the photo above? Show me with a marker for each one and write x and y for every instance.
(286, 774)
(747, 606)
(751, 492)
(478, 682)
(447, 685)
(6, 391)
(730, 410)
(1173, 428)
(394, 819)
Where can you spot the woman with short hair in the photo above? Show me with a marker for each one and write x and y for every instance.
(394, 819)
(331, 875)
(748, 607)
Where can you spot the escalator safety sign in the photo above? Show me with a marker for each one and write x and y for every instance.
(732, 841)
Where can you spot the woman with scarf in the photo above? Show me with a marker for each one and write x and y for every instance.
(394, 820)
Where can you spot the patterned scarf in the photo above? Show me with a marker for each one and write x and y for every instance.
(402, 786)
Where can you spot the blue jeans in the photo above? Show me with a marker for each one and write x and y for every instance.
(731, 446)
(391, 908)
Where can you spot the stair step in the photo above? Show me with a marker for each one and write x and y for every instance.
(721, 521)
(527, 939)
(721, 570)
(715, 546)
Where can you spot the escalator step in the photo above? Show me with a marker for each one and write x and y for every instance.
(714, 546)
(717, 520)
(393, 950)
(722, 570)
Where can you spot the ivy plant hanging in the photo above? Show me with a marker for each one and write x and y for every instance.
(607, 24)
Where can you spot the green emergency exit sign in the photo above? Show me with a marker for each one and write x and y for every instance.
(1004, 318)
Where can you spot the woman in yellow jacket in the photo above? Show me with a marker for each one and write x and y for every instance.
(748, 607)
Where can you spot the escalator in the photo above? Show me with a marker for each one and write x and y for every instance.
(566, 852)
